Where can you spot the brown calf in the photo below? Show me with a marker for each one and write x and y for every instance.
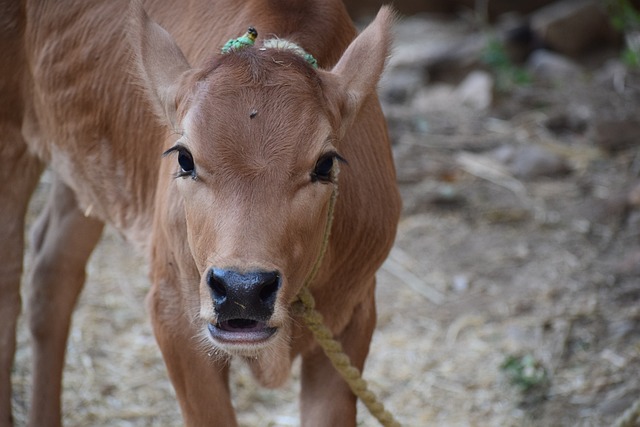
(231, 219)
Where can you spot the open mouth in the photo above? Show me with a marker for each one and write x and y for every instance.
(241, 331)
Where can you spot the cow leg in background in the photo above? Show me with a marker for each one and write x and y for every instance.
(201, 381)
(19, 174)
(63, 240)
(326, 400)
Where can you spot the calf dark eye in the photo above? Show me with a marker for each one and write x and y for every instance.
(324, 167)
(186, 163)
(185, 160)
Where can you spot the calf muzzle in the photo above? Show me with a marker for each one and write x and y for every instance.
(243, 298)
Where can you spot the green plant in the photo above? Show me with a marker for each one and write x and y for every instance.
(631, 57)
(626, 19)
(507, 74)
(524, 372)
(623, 15)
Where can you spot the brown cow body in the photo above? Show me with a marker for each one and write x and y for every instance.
(260, 128)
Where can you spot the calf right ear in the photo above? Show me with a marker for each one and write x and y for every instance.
(359, 69)
(160, 65)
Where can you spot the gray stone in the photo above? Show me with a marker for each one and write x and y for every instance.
(612, 74)
(456, 59)
(616, 134)
(572, 26)
(476, 90)
(438, 95)
(531, 161)
(545, 64)
(400, 86)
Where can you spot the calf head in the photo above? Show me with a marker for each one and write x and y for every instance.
(260, 133)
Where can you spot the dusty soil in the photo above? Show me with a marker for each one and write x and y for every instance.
(542, 270)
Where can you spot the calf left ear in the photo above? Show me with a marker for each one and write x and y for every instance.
(359, 69)
(160, 65)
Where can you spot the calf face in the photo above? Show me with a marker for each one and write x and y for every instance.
(260, 132)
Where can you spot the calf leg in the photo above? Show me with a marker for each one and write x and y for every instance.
(19, 173)
(326, 399)
(63, 241)
(199, 377)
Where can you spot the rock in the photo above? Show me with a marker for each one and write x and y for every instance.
(514, 31)
(398, 87)
(545, 64)
(457, 59)
(504, 154)
(421, 41)
(433, 95)
(531, 161)
(570, 120)
(436, 50)
(414, 165)
(573, 26)
(614, 135)
(612, 74)
(535, 161)
(476, 90)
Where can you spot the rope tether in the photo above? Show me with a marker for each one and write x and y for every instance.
(332, 348)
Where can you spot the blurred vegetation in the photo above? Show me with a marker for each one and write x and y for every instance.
(507, 74)
(623, 15)
(525, 372)
(626, 19)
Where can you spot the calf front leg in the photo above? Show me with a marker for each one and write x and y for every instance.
(326, 399)
(63, 241)
(199, 377)
(19, 173)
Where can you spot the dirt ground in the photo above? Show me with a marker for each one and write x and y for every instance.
(508, 300)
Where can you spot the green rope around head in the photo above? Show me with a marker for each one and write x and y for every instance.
(331, 347)
(245, 40)
(276, 43)
(249, 39)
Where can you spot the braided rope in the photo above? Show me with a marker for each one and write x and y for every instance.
(331, 347)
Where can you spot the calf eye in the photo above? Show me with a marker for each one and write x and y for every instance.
(185, 160)
(324, 167)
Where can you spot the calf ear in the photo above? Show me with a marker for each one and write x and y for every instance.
(360, 67)
(160, 65)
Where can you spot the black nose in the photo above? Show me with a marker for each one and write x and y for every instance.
(250, 296)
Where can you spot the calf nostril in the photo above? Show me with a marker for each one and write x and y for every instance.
(217, 285)
(236, 295)
(269, 288)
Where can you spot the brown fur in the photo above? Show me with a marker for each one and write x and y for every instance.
(98, 97)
